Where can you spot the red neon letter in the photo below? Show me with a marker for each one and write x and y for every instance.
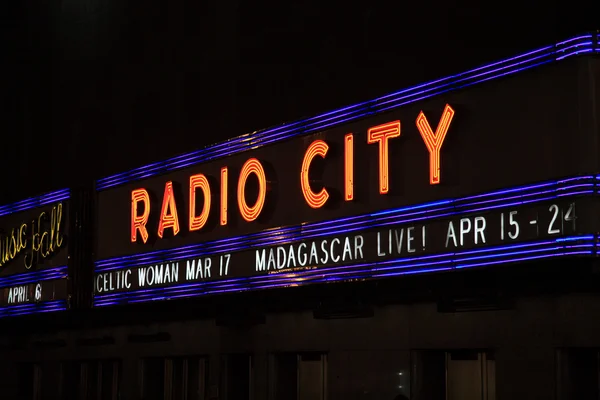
(315, 200)
(349, 167)
(168, 214)
(138, 222)
(224, 196)
(199, 181)
(252, 166)
(381, 134)
(434, 141)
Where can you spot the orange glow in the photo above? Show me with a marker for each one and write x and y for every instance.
(252, 166)
(381, 134)
(224, 196)
(138, 222)
(315, 200)
(434, 141)
(168, 213)
(349, 167)
(198, 221)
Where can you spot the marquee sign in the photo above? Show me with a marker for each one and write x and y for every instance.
(34, 254)
(408, 190)
(199, 190)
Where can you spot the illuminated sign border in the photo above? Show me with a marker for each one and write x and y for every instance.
(520, 195)
(35, 202)
(534, 193)
(34, 276)
(583, 245)
(582, 44)
(32, 308)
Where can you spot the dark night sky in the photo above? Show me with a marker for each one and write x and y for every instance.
(95, 87)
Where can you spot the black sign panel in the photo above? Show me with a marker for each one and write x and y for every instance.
(507, 234)
(457, 152)
(490, 143)
(34, 253)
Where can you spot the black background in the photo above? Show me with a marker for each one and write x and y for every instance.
(499, 137)
(94, 87)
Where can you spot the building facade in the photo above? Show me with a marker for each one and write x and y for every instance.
(437, 243)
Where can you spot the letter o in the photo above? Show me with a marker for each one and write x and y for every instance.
(252, 166)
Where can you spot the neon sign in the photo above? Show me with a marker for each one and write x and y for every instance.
(524, 223)
(372, 190)
(34, 255)
(37, 241)
(199, 185)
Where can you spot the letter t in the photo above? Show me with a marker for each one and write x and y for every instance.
(381, 134)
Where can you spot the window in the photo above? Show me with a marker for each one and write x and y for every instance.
(454, 375)
(71, 376)
(176, 378)
(94, 380)
(298, 376)
(153, 378)
(38, 381)
(237, 377)
(28, 385)
(49, 375)
(578, 372)
(368, 374)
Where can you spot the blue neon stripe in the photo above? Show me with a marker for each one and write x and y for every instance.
(34, 276)
(582, 44)
(33, 308)
(409, 214)
(35, 202)
(414, 261)
(583, 245)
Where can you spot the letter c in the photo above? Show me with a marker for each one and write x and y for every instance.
(314, 200)
(98, 286)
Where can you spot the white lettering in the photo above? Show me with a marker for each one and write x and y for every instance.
(325, 257)
(280, 257)
(163, 274)
(291, 257)
(302, 257)
(451, 234)
(207, 266)
(410, 233)
(224, 263)
(190, 266)
(347, 250)
(271, 262)
(321, 252)
(313, 254)
(260, 260)
(18, 294)
(358, 245)
(480, 224)
(379, 252)
(399, 235)
(111, 281)
(334, 258)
